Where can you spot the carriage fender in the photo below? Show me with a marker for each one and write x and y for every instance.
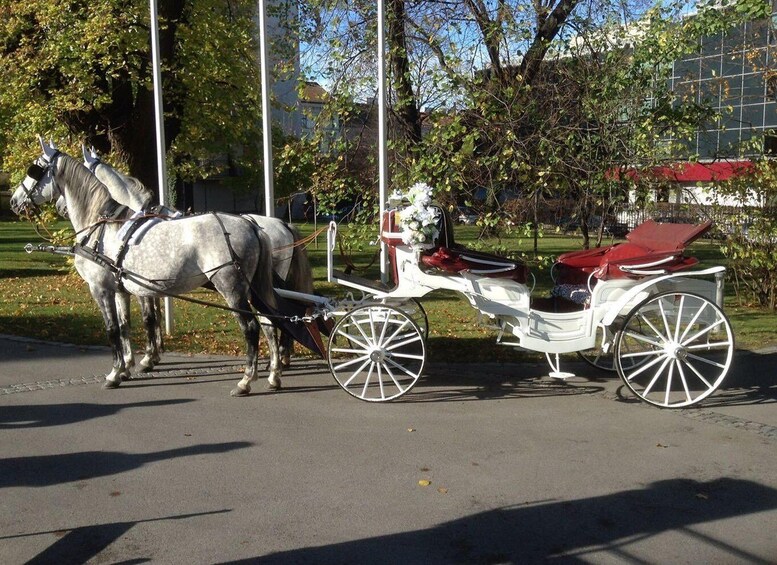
(628, 296)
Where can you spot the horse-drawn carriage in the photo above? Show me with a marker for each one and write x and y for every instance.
(633, 307)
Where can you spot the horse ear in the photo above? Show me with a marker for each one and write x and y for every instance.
(90, 157)
(48, 150)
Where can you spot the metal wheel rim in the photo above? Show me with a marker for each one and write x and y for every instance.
(379, 354)
(687, 345)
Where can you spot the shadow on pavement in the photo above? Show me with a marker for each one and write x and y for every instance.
(568, 531)
(79, 545)
(43, 415)
(46, 470)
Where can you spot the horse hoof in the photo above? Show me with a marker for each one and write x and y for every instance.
(126, 377)
(285, 362)
(145, 368)
(237, 391)
(273, 386)
(109, 384)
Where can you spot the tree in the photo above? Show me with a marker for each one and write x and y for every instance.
(82, 72)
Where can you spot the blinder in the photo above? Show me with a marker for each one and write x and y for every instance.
(36, 172)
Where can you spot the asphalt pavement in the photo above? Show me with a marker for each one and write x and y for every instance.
(494, 463)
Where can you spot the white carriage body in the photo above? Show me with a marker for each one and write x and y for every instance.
(505, 305)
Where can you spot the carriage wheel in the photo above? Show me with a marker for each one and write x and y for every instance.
(597, 356)
(683, 344)
(380, 353)
(413, 308)
(601, 355)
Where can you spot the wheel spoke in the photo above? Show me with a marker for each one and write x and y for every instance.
(683, 380)
(351, 362)
(663, 317)
(411, 339)
(704, 331)
(715, 345)
(645, 339)
(679, 318)
(669, 376)
(691, 324)
(353, 338)
(642, 353)
(358, 372)
(645, 367)
(367, 379)
(401, 368)
(393, 378)
(698, 374)
(652, 327)
(708, 361)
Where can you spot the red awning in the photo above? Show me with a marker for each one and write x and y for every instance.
(692, 172)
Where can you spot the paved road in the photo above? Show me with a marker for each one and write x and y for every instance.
(520, 468)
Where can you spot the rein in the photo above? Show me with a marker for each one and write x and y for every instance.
(305, 241)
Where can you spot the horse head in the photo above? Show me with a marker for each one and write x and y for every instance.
(38, 185)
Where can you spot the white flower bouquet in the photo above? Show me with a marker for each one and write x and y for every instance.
(418, 220)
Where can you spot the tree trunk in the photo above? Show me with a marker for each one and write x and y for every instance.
(406, 105)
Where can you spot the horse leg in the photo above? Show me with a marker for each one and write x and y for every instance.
(250, 328)
(153, 331)
(276, 370)
(286, 347)
(123, 317)
(106, 301)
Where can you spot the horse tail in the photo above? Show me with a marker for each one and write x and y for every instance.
(262, 281)
(300, 276)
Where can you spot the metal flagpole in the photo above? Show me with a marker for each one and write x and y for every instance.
(269, 189)
(382, 152)
(161, 163)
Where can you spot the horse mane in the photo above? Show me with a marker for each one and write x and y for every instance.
(85, 192)
(135, 186)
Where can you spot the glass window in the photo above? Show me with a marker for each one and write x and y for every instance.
(711, 44)
(729, 143)
(753, 88)
(710, 67)
(753, 116)
(731, 65)
(734, 39)
(770, 115)
(708, 144)
(687, 69)
(756, 33)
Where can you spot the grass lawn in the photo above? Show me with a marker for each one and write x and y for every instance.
(41, 297)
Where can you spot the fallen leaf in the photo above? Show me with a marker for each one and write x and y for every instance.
(424, 482)
(442, 490)
(411, 429)
(702, 496)
(116, 493)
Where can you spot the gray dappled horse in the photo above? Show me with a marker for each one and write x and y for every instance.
(289, 259)
(172, 257)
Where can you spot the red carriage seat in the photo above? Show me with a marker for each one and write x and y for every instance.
(451, 257)
(651, 248)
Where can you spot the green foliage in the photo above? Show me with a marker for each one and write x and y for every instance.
(82, 71)
(752, 247)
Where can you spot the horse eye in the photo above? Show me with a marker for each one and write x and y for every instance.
(36, 172)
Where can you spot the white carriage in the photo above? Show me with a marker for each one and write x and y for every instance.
(638, 311)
